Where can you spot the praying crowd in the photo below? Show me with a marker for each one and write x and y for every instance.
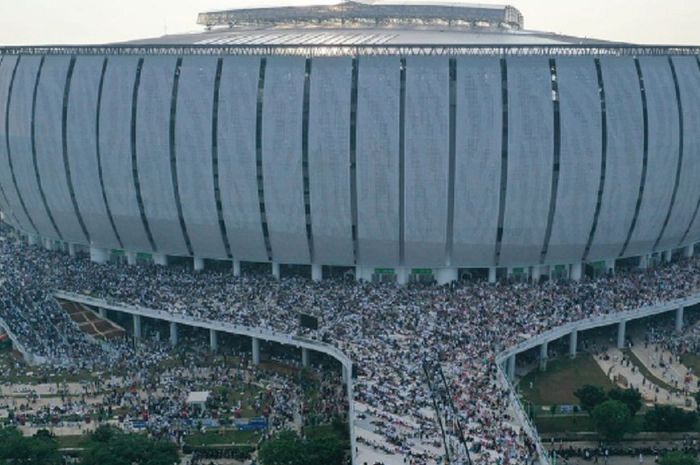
(390, 332)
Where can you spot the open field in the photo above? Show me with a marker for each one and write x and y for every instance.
(562, 378)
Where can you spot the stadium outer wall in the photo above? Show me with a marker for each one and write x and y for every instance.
(527, 158)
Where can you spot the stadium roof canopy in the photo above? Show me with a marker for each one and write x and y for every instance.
(369, 12)
(368, 24)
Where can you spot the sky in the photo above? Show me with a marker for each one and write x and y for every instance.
(40, 22)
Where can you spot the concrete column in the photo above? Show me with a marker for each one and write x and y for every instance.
(576, 271)
(48, 244)
(256, 351)
(689, 251)
(510, 370)
(644, 262)
(573, 343)
(610, 266)
(445, 275)
(304, 357)
(363, 273)
(32, 239)
(71, 250)
(536, 273)
(98, 255)
(276, 270)
(544, 355)
(236, 268)
(316, 272)
(402, 275)
(173, 333)
(621, 327)
(679, 319)
(492, 274)
(213, 340)
(137, 326)
(198, 263)
(131, 258)
(103, 313)
(160, 259)
(668, 255)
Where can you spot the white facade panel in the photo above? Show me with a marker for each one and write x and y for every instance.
(115, 151)
(81, 139)
(238, 185)
(624, 156)
(688, 194)
(6, 69)
(193, 142)
(20, 119)
(662, 158)
(282, 159)
(530, 160)
(329, 160)
(153, 154)
(49, 147)
(580, 159)
(479, 131)
(377, 158)
(426, 160)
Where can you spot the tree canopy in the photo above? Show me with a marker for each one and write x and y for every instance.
(112, 447)
(611, 419)
(289, 449)
(678, 458)
(16, 449)
(669, 419)
(630, 397)
(590, 396)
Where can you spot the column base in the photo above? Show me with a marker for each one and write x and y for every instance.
(316, 272)
(445, 275)
(98, 255)
(364, 273)
(492, 275)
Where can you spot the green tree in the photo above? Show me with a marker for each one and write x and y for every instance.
(16, 449)
(611, 419)
(132, 449)
(288, 449)
(669, 419)
(630, 397)
(678, 458)
(590, 396)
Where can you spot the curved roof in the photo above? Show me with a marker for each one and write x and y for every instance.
(373, 12)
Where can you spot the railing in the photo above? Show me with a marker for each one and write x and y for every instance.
(29, 357)
(222, 326)
(299, 341)
(563, 330)
(321, 50)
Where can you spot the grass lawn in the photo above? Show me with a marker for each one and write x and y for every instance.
(223, 437)
(692, 361)
(71, 442)
(648, 374)
(562, 378)
(581, 423)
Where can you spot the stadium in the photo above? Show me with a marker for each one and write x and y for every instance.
(286, 187)
(392, 139)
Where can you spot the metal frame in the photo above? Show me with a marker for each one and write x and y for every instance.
(358, 50)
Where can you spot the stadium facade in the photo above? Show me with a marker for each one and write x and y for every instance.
(392, 138)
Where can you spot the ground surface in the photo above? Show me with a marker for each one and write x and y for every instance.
(562, 378)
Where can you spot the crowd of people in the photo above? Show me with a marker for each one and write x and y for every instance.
(388, 331)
